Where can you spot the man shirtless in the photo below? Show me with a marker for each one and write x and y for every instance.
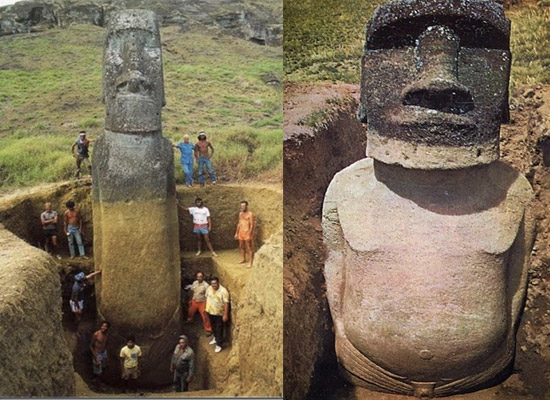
(203, 156)
(245, 230)
(72, 224)
(99, 349)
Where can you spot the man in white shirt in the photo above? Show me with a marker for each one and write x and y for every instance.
(202, 224)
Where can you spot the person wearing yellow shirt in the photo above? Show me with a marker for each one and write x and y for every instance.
(129, 362)
(217, 308)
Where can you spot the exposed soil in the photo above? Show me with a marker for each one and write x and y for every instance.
(312, 155)
(251, 361)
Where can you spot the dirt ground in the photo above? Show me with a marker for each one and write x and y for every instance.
(312, 155)
(251, 364)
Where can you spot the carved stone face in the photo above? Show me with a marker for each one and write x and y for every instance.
(132, 73)
(434, 86)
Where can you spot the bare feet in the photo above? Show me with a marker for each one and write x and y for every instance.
(242, 261)
(198, 253)
(214, 254)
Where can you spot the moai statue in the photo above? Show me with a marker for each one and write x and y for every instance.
(135, 218)
(429, 237)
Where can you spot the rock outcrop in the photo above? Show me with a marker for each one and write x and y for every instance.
(260, 23)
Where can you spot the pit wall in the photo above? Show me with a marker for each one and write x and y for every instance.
(311, 158)
(35, 359)
(21, 213)
(224, 205)
(254, 365)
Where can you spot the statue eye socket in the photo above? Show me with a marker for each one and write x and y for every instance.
(404, 33)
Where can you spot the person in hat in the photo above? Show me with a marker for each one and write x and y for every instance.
(182, 365)
(187, 150)
(82, 152)
(203, 153)
(77, 294)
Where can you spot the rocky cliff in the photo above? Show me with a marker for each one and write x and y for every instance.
(260, 22)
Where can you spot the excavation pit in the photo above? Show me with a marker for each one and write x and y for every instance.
(215, 372)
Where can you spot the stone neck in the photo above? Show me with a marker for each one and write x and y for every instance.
(444, 178)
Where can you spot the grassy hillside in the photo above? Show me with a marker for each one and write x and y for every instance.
(50, 88)
(324, 40)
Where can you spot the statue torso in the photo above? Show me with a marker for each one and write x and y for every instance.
(426, 285)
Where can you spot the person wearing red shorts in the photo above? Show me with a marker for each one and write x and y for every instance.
(198, 302)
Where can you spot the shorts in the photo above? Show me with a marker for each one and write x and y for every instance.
(49, 232)
(98, 368)
(128, 373)
(244, 235)
(200, 228)
(73, 305)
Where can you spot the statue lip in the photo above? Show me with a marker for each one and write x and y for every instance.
(416, 115)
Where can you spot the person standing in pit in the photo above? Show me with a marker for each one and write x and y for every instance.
(72, 224)
(202, 224)
(77, 295)
(98, 346)
(129, 363)
(187, 150)
(198, 302)
(182, 365)
(245, 230)
(82, 154)
(204, 156)
(49, 224)
(217, 308)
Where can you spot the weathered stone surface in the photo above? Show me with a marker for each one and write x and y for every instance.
(35, 357)
(428, 244)
(251, 21)
(435, 83)
(134, 198)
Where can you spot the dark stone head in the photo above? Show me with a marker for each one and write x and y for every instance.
(434, 87)
(133, 85)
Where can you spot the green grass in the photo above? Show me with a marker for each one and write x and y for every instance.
(324, 40)
(530, 44)
(212, 83)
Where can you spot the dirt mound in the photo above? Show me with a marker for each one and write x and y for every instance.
(260, 333)
(312, 155)
(35, 358)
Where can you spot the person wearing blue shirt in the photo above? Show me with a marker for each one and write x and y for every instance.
(187, 158)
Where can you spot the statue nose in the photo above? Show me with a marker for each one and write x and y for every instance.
(437, 85)
(133, 82)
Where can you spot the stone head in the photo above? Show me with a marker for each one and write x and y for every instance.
(133, 87)
(434, 86)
